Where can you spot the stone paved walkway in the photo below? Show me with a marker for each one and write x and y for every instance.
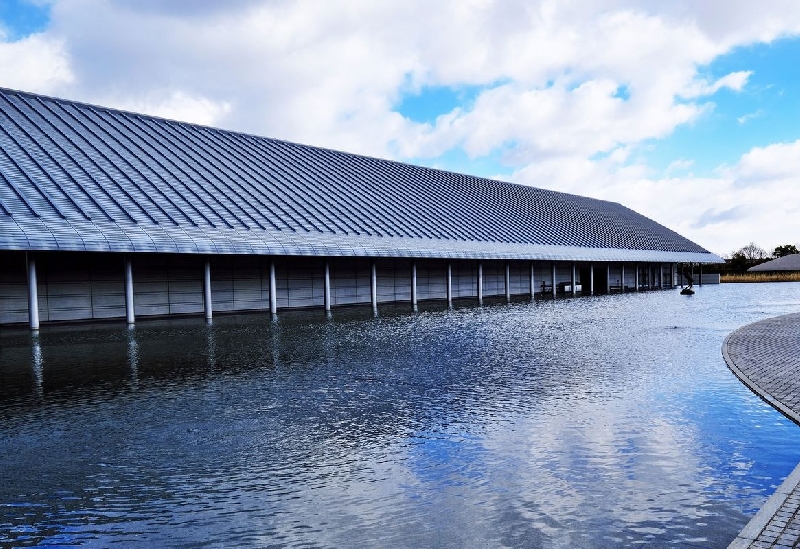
(766, 357)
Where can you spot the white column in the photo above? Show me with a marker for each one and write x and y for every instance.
(480, 283)
(273, 297)
(622, 279)
(33, 294)
(573, 280)
(129, 312)
(326, 296)
(414, 285)
(636, 276)
(591, 278)
(508, 282)
(207, 289)
(533, 285)
(449, 284)
(373, 286)
(700, 278)
(608, 278)
(554, 280)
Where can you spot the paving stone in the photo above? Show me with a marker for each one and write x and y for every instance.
(766, 357)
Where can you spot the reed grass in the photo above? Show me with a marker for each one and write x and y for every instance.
(792, 276)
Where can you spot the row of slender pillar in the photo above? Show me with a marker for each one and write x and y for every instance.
(33, 306)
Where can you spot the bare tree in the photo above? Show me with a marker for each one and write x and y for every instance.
(747, 256)
(753, 252)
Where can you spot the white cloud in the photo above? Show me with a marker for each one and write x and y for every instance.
(766, 167)
(37, 63)
(329, 73)
(749, 116)
(175, 105)
(756, 199)
(734, 81)
(679, 165)
(559, 84)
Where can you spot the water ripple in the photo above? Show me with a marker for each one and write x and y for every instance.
(593, 422)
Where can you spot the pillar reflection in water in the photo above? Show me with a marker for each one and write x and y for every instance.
(37, 365)
(133, 356)
(275, 343)
(328, 341)
(211, 346)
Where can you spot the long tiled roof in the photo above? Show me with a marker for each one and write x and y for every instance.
(80, 177)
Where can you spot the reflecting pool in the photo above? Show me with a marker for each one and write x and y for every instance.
(605, 421)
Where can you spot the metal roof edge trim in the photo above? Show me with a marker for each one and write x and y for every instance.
(282, 244)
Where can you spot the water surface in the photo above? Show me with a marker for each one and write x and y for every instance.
(591, 422)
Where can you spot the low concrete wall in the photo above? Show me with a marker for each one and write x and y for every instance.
(708, 278)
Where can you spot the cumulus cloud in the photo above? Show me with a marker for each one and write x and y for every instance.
(765, 167)
(37, 63)
(175, 105)
(682, 164)
(734, 81)
(755, 199)
(749, 116)
(565, 92)
(712, 216)
(329, 74)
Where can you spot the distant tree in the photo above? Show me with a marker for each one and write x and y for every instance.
(746, 257)
(786, 249)
(753, 252)
(738, 262)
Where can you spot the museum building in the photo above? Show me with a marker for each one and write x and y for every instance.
(109, 214)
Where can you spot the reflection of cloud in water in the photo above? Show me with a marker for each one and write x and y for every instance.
(575, 423)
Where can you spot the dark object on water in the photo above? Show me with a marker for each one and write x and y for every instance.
(687, 273)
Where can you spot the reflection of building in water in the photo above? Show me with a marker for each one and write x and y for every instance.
(118, 215)
(211, 347)
(133, 356)
(37, 361)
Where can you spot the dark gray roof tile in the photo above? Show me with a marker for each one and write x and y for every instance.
(786, 263)
(81, 177)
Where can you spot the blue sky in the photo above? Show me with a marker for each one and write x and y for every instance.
(766, 111)
(21, 18)
(686, 112)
